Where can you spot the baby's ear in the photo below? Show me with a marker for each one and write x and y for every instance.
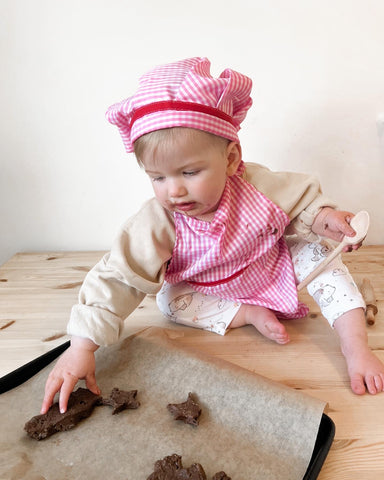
(234, 157)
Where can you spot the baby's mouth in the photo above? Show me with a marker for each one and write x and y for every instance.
(183, 206)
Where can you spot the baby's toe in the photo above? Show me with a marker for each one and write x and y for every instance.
(375, 383)
(277, 332)
(379, 383)
(357, 385)
(283, 341)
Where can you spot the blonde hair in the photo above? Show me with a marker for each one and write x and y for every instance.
(166, 137)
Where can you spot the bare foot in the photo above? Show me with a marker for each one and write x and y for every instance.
(366, 372)
(263, 320)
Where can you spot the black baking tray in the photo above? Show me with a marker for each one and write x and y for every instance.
(323, 442)
(22, 374)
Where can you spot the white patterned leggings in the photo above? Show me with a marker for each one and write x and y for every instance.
(334, 290)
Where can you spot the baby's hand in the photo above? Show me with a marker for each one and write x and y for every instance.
(77, 362)
(335, 224)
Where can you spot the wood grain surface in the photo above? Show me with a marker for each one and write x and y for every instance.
(37, 291)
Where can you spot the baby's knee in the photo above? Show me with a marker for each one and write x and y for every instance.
(180, 304)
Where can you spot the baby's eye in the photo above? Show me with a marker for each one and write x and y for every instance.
(191, 173)
(157, 179)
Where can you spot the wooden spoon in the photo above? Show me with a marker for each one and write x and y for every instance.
(360, 223)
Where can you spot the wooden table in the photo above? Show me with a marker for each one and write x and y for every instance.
(37, 291)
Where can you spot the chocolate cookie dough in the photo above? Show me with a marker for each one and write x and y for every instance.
(221, 476)
(80, 405)
(188, 411)
(171, 468)
(121, 400)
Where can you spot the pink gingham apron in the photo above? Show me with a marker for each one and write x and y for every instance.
(241, 255)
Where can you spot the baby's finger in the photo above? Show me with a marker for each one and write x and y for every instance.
(91, 384)
(66, 389)
(346, 228)
(51, 388)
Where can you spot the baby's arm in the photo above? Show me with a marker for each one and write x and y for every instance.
(334, 224)
(77, 362)
(111, 291)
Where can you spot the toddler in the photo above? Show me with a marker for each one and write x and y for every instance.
(223, 243)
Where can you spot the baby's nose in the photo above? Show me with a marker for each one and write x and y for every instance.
(176, 189)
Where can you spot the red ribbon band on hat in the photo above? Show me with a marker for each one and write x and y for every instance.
(180, 106)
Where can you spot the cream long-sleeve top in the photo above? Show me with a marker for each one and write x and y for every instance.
(137, 261)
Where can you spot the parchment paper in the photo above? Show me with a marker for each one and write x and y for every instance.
(250, 427)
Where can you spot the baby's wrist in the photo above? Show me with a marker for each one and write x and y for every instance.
(320, 222)
(84, 343)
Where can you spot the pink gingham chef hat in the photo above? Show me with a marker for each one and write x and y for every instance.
(184, 94)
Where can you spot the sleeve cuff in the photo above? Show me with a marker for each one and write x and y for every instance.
(302, 224)
(99, 325)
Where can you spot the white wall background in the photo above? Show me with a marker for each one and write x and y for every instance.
(65, 180)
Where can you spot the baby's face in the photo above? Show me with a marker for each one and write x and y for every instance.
(189, 175)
